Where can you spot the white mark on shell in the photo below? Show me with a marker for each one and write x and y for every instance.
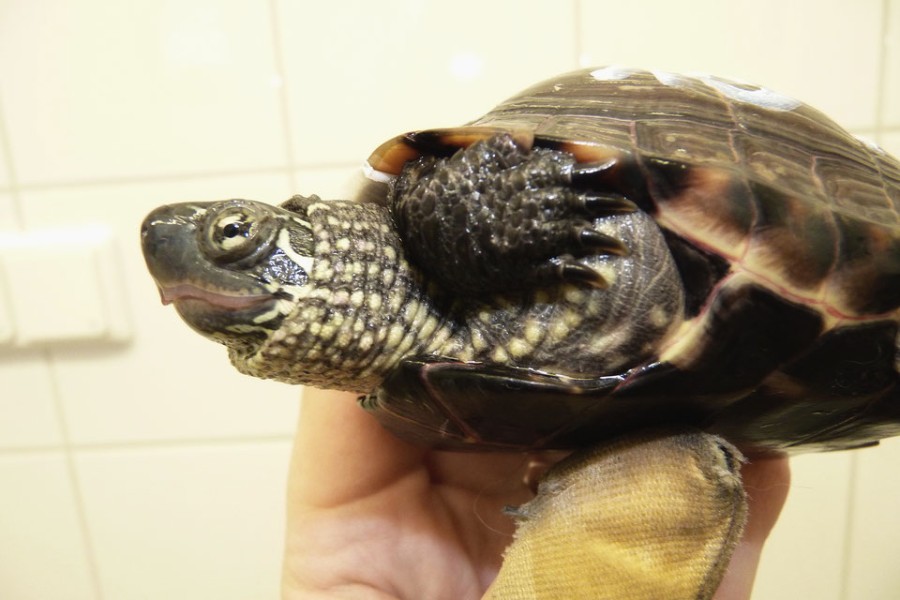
(870, 144)
(612, 73)
(757, 96)
(669, 79)
(734, 90)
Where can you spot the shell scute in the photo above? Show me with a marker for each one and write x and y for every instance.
(772, 162)
(711, 207)
(793, 241)
(711, 143)
(869, 260)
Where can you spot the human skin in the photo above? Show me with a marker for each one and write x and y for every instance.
(371, 516)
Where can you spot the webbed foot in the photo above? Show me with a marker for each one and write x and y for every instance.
(497, 217)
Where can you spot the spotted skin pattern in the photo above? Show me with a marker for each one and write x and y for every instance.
(367, 308)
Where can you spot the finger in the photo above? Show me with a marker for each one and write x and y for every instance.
(342, 454)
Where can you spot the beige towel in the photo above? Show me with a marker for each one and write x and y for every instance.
(642, 519)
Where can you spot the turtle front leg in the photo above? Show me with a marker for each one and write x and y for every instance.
(496, 217)
(641, 518)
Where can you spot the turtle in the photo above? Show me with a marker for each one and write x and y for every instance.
(611, 250)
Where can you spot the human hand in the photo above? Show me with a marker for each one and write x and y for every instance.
(370, 516)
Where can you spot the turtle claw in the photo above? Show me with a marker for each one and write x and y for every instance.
(571, 271)
(602, 206)
(591, 175)
(595, 241)
(499, 217)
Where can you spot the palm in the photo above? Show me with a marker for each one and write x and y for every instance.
(374, 514)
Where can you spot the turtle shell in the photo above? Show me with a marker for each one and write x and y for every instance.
(743, 182)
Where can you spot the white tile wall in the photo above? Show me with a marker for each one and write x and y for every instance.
(99, 90)
(28, 412)
(4, 172)
(44, 553)
(891, 142)
(873, 572)
(151, 469)
(185, 522)
(891, 82)
(8, 218)
(326, 182)
(806, 552)
(458, 59)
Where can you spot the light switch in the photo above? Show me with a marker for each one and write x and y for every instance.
(63, 286)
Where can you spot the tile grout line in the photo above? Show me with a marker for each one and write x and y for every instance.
(576, 13)
(283, 96)
(169, 177)
(74, 482)
(237, 440)
(881, 92)
(847, 534)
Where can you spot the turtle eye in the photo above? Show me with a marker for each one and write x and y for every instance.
(236, 232)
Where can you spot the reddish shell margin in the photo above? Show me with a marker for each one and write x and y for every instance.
(387, 161)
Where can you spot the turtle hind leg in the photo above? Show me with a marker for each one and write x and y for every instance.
(496, 217)
(644, 518)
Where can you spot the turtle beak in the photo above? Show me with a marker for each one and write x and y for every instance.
(169, 242)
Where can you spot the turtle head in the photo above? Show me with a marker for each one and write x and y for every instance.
(312, 292)
(233, 269)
